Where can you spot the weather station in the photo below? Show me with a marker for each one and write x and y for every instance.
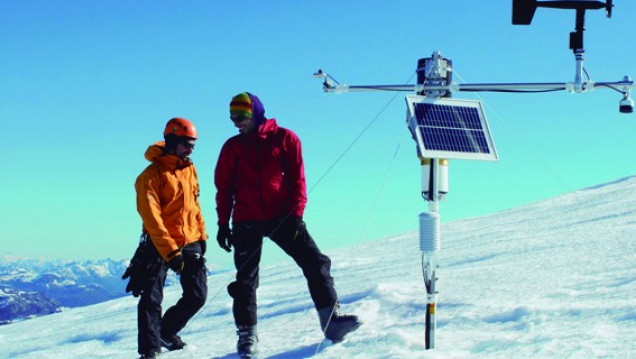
(447, 128)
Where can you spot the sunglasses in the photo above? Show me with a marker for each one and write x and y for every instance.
(187, 145)
(239, 119)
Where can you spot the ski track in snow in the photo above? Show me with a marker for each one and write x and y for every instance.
(552, 279)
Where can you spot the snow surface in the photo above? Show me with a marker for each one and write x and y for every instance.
(553, 279)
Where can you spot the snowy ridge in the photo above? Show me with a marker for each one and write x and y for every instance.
(35, 287)
(21, 305)
(552, 279)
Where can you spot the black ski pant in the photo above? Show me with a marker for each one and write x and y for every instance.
(150, 323)
(247, 240)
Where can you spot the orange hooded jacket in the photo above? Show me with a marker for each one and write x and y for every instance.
(168, 202)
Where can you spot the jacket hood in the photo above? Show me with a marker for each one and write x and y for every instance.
(268, 126)
(154, 154)
(258, 110)
(155, 150)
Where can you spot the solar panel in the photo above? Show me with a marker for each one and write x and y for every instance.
(450, 128)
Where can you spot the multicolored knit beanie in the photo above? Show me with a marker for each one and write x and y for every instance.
(241, 105)
(248, 105)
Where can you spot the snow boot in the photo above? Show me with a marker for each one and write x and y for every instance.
(335, 325)
(151, 355)
(247, 342)
(172, 342)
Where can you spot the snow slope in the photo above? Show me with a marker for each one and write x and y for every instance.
(553, 279)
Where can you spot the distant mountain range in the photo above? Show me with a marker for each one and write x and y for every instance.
(34, 287)
(30, 287)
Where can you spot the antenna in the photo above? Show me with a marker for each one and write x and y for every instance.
(445, 128)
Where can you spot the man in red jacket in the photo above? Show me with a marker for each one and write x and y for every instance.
(261, 188)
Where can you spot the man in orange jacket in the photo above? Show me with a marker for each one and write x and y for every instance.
(174, 233)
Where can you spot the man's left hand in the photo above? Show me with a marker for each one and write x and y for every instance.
(298, 227)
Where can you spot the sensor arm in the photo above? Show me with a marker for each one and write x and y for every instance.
(624, 86)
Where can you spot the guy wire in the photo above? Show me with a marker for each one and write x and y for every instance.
(377, 197)
(521, 140)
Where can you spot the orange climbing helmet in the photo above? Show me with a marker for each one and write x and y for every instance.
(181, 127)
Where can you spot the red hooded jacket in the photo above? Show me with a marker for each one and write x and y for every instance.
(260, 176)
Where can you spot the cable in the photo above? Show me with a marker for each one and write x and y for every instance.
(384, 88)
(355, 140)
(518, 91)
(603, 85)
(377, 197)
(514, 133)
(611, 87)
(566, 188)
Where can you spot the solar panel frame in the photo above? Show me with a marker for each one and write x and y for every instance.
(450, 128)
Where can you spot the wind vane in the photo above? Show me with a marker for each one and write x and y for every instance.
(445, 128)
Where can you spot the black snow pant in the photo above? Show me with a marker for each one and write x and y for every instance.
(150, 323)
(247, 240)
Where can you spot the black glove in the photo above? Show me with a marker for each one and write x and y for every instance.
(176, 264)
(224, 237)
(137, 270)
(136, 282)
(298, 227)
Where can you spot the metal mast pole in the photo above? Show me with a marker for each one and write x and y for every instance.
(430, 238)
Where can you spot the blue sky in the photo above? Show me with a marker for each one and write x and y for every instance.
(87, 86)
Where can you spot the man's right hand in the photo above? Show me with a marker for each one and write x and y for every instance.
(176, 264)
(224, 237)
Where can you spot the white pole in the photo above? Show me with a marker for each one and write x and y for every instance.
(430, 245)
